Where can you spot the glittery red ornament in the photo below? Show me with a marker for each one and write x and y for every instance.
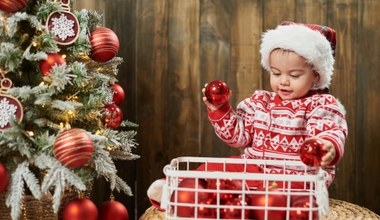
(186, 194)
(118, 94)
(4, 178)
(311, 152)
(104, 43)
(217, 92)
(306, 208)
(73, 147)
(113, 210)
(80, 209)
(12, 6)
(52, 59)
(113, 116)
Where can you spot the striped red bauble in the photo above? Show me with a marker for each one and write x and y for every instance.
(12, 6)
(104, 44)
(73, 147)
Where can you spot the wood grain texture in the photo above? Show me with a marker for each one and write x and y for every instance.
(342, 16)
(367, 117)
(173, 47)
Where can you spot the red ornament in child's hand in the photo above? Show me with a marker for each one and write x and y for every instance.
(217, 92)
(4, 178)
(311, 152)
(118, 94)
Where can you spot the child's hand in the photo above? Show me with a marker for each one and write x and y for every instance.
(330, 153)
(209, 105)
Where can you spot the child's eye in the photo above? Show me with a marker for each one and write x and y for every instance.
(276, 74)
(295, 76)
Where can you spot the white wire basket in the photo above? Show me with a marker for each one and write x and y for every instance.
(193, 193)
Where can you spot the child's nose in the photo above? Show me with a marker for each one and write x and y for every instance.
(284, 80)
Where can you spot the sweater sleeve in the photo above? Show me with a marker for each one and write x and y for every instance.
(234, 127)
(326, 119)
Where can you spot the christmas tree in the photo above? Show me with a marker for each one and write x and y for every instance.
(61, 126)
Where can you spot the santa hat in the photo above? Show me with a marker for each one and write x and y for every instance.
(316, 43)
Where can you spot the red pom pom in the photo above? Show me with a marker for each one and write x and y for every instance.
(311, 152)
(52, 59)
(73, 147)
(80, 209)
(113, 116)
(118, 94)
(104, 43)
(113, 210)
(4, 178)
(217, 92)
(12, 6)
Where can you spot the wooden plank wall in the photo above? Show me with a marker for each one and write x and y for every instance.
(173, 47)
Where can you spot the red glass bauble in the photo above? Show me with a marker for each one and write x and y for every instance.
(118, 94)
(207, 208)
(113, 210)
(12, 6)
(278, 201)
(223, 185)
(4, 178)
(80, 209)
(104, 44)
(311, 152)
(113, 116)
(188, 195)
(235, 209)
(217, 92)
(52, 59)
(306, 208)
(73, 147)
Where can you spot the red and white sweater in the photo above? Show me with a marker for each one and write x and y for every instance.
(271, 128)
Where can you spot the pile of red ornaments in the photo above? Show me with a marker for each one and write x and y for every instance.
(230, 199)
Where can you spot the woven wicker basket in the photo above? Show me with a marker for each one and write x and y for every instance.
(338, 210)
(34, 209)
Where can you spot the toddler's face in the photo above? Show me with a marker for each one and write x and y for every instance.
(291, 77)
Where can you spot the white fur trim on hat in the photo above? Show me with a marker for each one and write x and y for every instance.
(304, 41)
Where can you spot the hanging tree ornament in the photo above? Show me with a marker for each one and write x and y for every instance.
(10, 107)
(63, 24)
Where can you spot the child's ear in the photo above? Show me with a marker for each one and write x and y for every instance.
(317, 77)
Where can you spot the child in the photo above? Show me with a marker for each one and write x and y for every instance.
(273, 125)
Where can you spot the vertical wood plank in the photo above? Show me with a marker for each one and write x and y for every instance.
(152, 93)
(312, 12)
(246, 30)
(342, 18)
(182, 112)
(215, 49)
(368, 104)
(274, 13)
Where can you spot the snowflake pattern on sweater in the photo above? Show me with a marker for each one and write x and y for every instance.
(271, 128)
